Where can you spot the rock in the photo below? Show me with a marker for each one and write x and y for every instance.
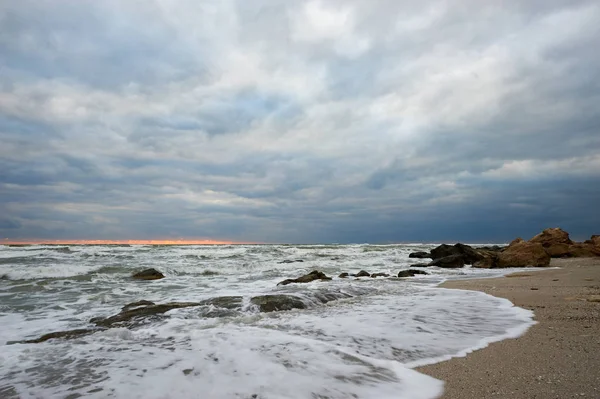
(552, 236)
(492, 248)
(516, 241)
(361, 273)
(291, 261)
(555, 241)
(379, 275)
(469, 254)
(489, 259)
(272, 303)
(451, 261)
(410, 273)
(148, 274)
(137, 304)
(523, 254)
(307, 278)
(583, 250)
(419, 255)
(420, 265)
(343, 275)
(131, 315)
(58, 334)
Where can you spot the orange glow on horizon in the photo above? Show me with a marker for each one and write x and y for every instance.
(122, 242)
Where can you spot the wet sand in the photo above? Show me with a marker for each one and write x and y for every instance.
(557, 358)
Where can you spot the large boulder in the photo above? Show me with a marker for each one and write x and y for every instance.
(583, 250)
(523, 254)
(555, 241)
(148, 274)
(419, 255)
(307, 278)
(468, 254)
(450, 261)
(489, 259)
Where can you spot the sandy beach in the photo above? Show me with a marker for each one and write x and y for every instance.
(559, 357)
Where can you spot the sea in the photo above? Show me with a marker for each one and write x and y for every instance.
(366, 343)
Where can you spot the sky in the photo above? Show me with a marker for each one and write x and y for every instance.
(321, 121)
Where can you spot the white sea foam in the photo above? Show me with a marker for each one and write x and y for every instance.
(365, 345)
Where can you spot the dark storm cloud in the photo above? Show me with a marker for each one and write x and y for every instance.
(311, 121)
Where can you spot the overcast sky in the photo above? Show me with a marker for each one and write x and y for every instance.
(299, 121)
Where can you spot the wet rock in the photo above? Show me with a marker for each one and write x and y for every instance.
(148, 274)
(58, 334)
(419, 255)
(226, 302)
(130, 315)
(307, 278)
(523, 254)
(137, 304)
(420, 265)
(187, 371)
(291, 261)
(379, 275)
(361, 273)
(490, 248)
(450, 261)
(410, 273)
(344, 275)
(468, 254)
(272, 303)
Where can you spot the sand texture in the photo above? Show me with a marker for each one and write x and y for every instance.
(557, 358)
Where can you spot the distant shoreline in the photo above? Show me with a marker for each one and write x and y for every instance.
(556, 358)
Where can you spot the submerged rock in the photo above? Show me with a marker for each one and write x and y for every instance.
(307, 278)
(343, 275)
(419, 255)
(148, 274)
(131, 314)
(379, 275)
(410, 273)
(58, 334)
(361, 273)
(291, 261)
(273, 303)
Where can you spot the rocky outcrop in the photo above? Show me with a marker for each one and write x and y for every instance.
(411, 273)
(307, 278)
(148, 274)
(583, 250)
(523, 254)
(68, 334)
(419, 255)
(131, 315)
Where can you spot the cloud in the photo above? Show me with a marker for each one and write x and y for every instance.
(323, 120)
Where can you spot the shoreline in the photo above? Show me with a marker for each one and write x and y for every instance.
(556, 357)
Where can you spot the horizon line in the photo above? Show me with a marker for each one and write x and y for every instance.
(123, 242)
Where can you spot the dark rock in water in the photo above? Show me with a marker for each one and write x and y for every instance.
(58, 334)
(468, 254)
(137, 304)
(272, 303)
(130, 315)
(148, 274)
(379, 275)
(410, 273)
(226, 302)
(451, 261)
(492, 248)
(307, 278)
(419, 255)
(361, 273)
(4, 277)
(420, 265)
(343, 275)
(187, 371)
(291, 261)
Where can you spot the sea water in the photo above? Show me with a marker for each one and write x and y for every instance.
(363, 345)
